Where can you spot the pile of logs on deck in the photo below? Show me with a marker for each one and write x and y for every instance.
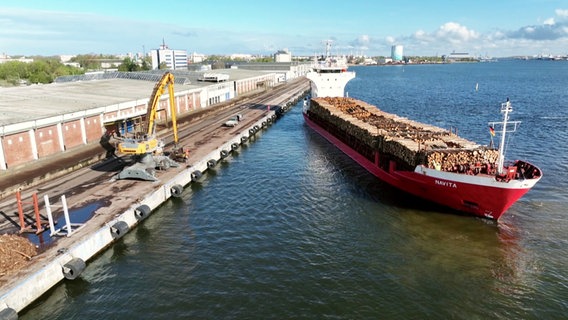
(410, 141)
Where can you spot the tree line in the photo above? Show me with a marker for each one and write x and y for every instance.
(43, 70)
(47, 69)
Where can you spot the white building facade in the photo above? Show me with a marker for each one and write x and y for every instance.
(283, 56)
(174, 59)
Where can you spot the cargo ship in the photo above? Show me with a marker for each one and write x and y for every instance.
(426, 161)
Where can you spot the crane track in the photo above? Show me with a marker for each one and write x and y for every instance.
(212, 124)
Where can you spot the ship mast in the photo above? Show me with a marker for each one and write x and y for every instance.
(328, 48)
(506, 107)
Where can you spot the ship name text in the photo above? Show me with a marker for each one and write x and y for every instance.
(445, 183)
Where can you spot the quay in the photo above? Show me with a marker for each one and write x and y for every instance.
(85, 176)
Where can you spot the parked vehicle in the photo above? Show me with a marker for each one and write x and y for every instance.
(233, 121)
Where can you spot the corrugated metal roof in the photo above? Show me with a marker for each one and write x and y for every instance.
(28, 103)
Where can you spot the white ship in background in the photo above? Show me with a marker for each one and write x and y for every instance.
(329, 75)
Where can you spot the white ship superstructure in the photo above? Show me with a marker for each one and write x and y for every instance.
(329, 75)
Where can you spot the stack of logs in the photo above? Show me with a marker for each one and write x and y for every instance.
(468, 161)
(410, 141)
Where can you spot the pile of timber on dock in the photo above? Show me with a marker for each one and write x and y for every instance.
(410, 141)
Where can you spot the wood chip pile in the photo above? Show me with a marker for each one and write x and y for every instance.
(15, 252)
(410, 141)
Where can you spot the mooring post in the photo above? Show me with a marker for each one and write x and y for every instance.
(66, 214)
(49, 215)
(20, 211)
(36, 212)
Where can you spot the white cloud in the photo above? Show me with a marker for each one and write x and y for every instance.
(364, 39)
(51, 32)
(455, 33)
(549, 21)
(563, 13)
(422, 36)
(362, 42)
(551, 35)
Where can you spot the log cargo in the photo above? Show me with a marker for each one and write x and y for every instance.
(411, 142)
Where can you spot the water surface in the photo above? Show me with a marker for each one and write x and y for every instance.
(290, 228)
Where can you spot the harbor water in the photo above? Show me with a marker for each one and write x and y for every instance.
(288, 227)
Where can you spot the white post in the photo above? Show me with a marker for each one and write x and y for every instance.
(33, 144)
(49, 215)
(60, 135)
(505, 108)
(83, 129)
(2, 156)
(66, 214)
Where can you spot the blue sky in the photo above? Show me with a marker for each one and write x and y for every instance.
(495, 28)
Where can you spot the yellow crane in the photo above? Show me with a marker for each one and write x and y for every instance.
(148, 148)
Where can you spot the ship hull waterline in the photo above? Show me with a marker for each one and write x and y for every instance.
(487, 201)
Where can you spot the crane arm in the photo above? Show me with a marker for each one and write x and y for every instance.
(150, 143)
(166, 80)
(173, 110)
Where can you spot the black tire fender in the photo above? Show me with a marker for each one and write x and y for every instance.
(8, 314)
(142, 212)
(119, 229)
(176, 190)
(196, 175)
(73, 268)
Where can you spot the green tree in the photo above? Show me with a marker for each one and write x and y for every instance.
(41, 70)
(13, 70)
(146, 63)
(218, 65)
(41, 77)
(91, 61)
(128, 65)
(263, 59)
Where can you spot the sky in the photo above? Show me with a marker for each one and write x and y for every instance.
(496, 28)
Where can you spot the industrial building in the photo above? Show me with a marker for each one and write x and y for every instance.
(173, 59)
(283, 56)
(283, 70)
(40, 121)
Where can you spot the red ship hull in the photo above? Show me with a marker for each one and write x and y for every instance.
(480, 195)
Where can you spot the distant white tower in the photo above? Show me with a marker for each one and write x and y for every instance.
(396, 52)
